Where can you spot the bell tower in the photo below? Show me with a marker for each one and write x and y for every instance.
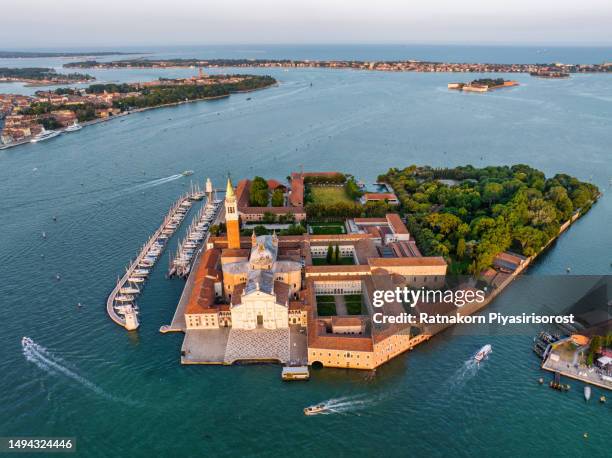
(232, 222)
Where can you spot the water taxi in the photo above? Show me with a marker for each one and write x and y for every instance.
(483, 353)
(314, 410)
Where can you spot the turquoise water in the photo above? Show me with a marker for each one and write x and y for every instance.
(119, 392)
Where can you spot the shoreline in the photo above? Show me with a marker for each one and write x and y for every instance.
(139, 110)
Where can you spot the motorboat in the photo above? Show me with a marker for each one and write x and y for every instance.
(73, 127)
(587, 393)
(136, 280)
(45, 135)
(483, 353)
(129, 290)
(124, 298)
(316, 409)
(187, 173)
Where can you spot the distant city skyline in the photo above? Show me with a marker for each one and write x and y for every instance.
(68, 23)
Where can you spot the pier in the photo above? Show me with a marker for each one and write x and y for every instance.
(120, 304)
(198, 233)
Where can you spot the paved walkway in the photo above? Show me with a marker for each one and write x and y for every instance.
(257, 344)
(204, 346)
(340, 305)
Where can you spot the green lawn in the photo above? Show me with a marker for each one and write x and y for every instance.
(353, 303)
(326, 308)
(329, 195)
(346, 261)
(327, 228)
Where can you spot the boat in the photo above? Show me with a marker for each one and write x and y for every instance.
(73, 127)
(187, 173)
(483, 353)
(295, 373)
(136, 280)
(45, 135)
(587, 393)
(314, 410)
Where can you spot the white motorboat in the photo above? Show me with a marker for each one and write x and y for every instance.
(483, 353)
(129, 290)
(74, 127)
(136, 280)
(587, 393)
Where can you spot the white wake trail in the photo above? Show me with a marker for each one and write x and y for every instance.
(52, 364)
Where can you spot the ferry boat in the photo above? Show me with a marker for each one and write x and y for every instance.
(295, 373)
(45, 135)
(483, 353)
(314, 410)
(74, 127)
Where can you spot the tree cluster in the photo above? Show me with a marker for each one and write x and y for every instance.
(487, 211)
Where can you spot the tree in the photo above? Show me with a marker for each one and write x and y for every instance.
(278, 198)
(460, 248)
(258, 192)
(330, 254)
(336, 257)
(492, 192)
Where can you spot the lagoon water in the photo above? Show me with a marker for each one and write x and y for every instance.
(118, 392)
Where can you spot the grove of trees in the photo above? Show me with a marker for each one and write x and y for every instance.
(487, 211)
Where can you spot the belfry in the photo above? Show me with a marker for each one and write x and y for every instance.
(231, 217)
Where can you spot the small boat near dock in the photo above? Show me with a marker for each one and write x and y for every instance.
(295, 373)
(587, 393)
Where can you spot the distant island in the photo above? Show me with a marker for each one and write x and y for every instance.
(25, 116)
(377, 65)
(482, 85)
(30, 54)
(41, 76)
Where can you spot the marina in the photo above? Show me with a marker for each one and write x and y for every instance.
(190, 247)
(121, 303)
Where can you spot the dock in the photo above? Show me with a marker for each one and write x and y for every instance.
(197, 235)
(121, 302)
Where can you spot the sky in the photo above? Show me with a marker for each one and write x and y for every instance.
(46, 24)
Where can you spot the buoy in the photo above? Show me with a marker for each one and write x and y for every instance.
(55, 218)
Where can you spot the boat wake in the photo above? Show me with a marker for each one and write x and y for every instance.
(347, 404)
(464, 374)
(54, 365)
(152, 183)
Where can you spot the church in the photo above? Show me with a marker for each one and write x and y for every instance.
(260, 288)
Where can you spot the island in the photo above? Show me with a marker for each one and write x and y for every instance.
(325, 270)
(42, 54)
(25, 116)
(482, 85)
(375, 65)
(40, 76)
